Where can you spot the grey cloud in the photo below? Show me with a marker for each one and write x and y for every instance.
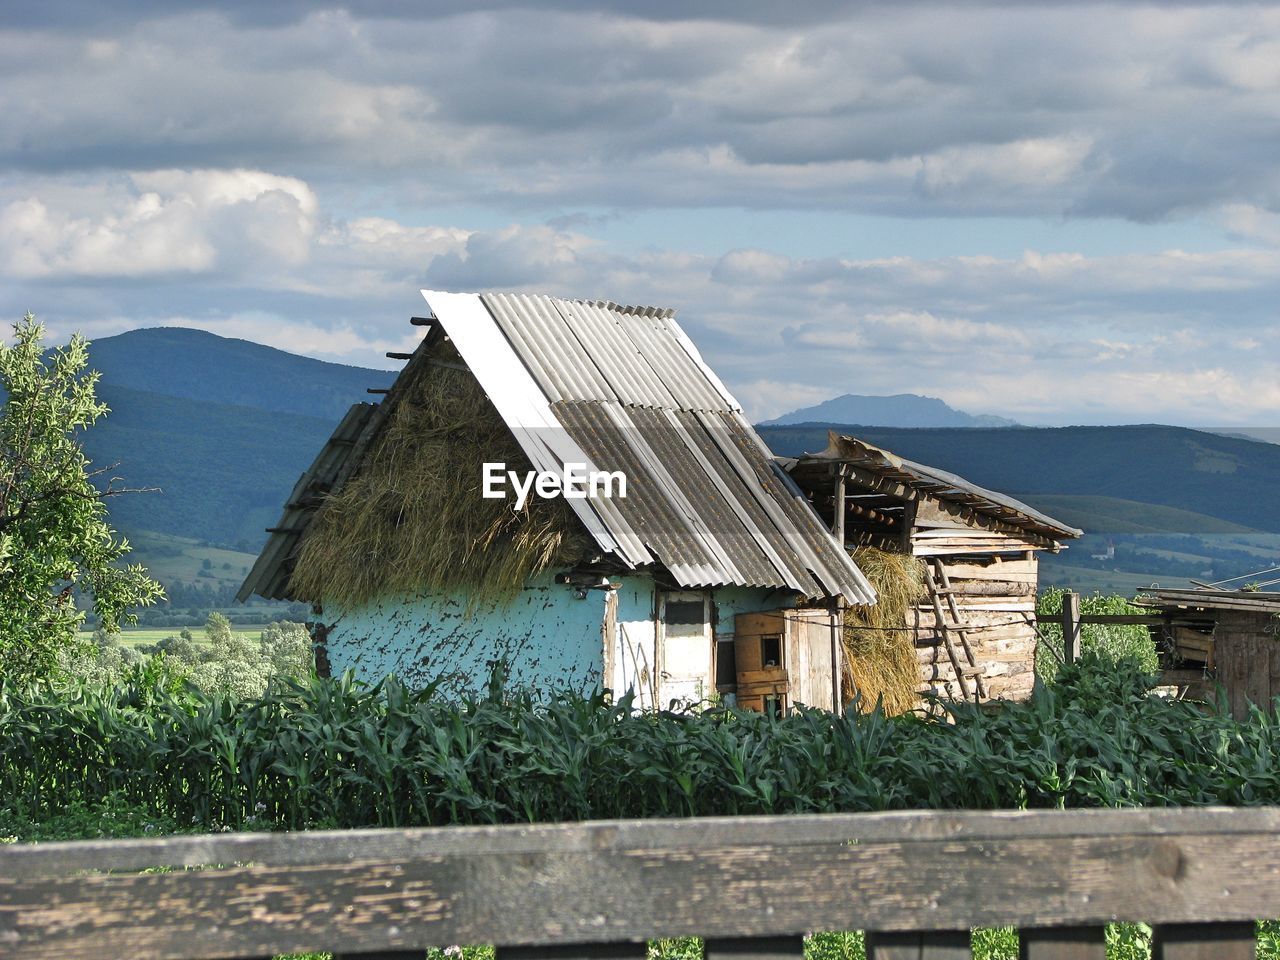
(868, 110)
(983, 333)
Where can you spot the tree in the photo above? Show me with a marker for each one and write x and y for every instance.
(55, 540)
(233, 664)
(288, 648)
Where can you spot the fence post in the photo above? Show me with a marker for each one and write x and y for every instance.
(1070, 627)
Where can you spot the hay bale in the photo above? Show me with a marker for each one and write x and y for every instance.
(880, 655)
(412, 517)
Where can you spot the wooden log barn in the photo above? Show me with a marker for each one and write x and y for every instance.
(973, 627)
(1207, 637)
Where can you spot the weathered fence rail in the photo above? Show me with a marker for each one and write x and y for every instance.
(1070, 619)
(752, 886)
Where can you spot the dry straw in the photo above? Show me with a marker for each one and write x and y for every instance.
(412, 518)
(880, 655)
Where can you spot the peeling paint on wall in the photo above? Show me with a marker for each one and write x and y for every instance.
(550, 638)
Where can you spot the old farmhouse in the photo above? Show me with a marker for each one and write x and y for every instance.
(412, 569)
(699, 565)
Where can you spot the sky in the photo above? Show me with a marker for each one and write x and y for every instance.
(1056, 213)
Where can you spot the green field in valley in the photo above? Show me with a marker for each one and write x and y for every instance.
(174, 559)
(148, 636)
(1096, 514)
(199, 578)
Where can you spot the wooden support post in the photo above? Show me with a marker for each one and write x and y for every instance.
(918, 946)
(838, 526)
(908, 525)
(837, 656)
(1204, 941)
(1070, 627)
(1063, 943)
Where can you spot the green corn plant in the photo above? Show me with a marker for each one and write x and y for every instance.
(316, 752)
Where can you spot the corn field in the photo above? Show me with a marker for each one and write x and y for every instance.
(334, 753)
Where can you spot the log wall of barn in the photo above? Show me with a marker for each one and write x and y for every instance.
(996, 597)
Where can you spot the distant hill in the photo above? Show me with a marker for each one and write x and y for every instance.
(223, 470)
(196, 365)
(1226, 478)
(225, 427)
(1112, 515)
(1261, 434)
(899, 410)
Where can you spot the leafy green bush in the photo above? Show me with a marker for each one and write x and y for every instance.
(229, 663)
(1112, 642)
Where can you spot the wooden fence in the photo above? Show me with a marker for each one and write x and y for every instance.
(1071, 620)
(917, 882)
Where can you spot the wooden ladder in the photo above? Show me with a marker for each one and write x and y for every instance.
(969, 668)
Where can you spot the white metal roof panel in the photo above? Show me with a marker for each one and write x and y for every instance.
(523, 406)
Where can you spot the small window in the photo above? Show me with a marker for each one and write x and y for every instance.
(771, 650)
(684, 612)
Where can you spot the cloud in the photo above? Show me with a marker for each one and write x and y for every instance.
(158, 223)
(295, 174)
(1041, 335)
(1014, 109)
(1251, 224)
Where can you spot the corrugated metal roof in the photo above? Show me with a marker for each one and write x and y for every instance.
(940, 484)
(704, 497)
(580, 350)
(614, 388)
(270, 574)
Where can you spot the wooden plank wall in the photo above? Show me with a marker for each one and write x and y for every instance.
(946, 529)
(1247, 654)
(997, 601)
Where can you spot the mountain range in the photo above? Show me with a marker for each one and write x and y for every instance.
(223, 428)
(899, 410)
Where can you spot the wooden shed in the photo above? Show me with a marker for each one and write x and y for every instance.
(1219, 637)
(974, 631)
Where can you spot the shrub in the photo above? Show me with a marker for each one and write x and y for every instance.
(1111, 642)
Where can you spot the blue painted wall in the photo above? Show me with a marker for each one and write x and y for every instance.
(551, 639)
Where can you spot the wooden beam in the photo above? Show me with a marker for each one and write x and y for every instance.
(422, 321)
(579, 884)
(1204, 941)
(1063, 943)
(838, 529)
(947, 945)
(908, 528)
(1070, 620)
